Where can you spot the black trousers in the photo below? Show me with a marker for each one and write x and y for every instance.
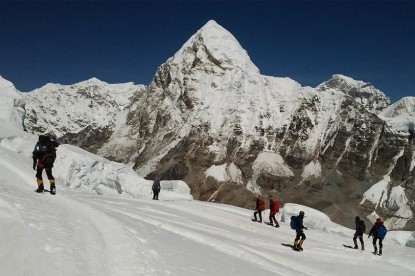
(156, 194)
(360, 239)
(272, 218)
(300, 234)
(259, 212)
(380, 242)
(48, 173)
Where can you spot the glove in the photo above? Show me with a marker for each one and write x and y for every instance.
(34, 166)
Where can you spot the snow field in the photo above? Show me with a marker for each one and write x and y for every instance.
(78, 232)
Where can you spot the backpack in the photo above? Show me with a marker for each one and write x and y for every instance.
(45, 151)
(362, 226)
(276, 206)
(381, 231)
(261, 205)
(156, 185)
(48, 160)
(294, 222)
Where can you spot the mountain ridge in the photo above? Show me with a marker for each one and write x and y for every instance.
(197, 116)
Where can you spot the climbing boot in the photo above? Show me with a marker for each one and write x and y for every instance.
(52, 186)
(300, 245)
(40, 187)
(295, 246)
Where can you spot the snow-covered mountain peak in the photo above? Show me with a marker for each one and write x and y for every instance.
(82, 84)
(87, 104)
(363, 92)
(405, 106)
(211, 24)
(92, 81)
(400, 115)
(213, 44)
(348, 80)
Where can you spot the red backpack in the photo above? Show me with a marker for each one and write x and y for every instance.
(261, 205)
(275, 206)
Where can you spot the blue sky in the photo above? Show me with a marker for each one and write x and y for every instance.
(67, 42)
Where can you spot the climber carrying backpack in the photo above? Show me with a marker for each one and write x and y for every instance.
(360, 230)
(378, 231)
(297, 225)
(274, 209)
(259, 207)
(44, 156)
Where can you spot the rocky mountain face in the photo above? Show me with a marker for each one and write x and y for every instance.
(211, 119)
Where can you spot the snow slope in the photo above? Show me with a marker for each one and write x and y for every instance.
(78, 232)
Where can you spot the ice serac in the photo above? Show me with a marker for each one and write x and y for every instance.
(365, 93)
(8, 90)
(12, 108)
